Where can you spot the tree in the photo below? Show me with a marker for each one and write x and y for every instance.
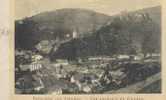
(149, 29)
(24, 34)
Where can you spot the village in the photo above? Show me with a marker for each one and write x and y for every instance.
(37, 74)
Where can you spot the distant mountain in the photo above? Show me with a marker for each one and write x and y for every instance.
(59, 23)
(73, 19)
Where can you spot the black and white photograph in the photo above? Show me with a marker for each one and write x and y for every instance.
(87, 47)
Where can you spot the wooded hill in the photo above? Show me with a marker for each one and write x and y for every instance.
(99, 34)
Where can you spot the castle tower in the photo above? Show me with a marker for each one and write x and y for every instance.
(75, 34)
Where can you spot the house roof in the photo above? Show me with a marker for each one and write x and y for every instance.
(118, 74)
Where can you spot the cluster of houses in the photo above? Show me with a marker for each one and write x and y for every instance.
(34, 66)
(53, 78)
(63, 80)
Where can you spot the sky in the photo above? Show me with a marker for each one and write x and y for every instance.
(26, 8)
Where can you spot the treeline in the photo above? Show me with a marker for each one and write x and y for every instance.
(128, 33)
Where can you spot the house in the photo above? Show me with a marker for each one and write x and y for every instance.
(35, 67)
(117, 76)
(138, 57)
(155, 54)
(30, 67)
(61, 62)
(86, 88)
(36, 58)
(101, 58)
(123, 57)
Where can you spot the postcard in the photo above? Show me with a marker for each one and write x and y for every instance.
(86, 50)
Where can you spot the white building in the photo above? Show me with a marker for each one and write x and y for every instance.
(123, 57)
(36, 58)
(34, 67)
(30, 67)
(61, 62)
